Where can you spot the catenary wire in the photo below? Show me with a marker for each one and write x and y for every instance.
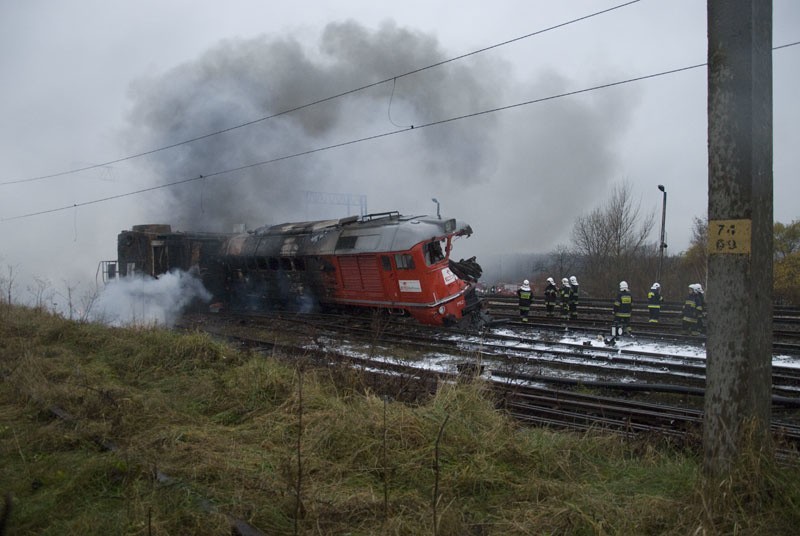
(359, 140)
(369, 138)
(785, 46)
(320, 101)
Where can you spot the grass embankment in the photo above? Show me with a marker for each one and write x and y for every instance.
(163, 433)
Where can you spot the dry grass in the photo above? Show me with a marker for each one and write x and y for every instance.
(199, 431)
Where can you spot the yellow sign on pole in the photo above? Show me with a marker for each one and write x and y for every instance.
(729, 237)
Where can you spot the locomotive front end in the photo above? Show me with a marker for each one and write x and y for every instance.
(446, 287)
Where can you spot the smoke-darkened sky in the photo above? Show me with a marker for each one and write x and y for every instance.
(94, 81)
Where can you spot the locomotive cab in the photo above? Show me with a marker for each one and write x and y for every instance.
(426, 286)
(428, 289)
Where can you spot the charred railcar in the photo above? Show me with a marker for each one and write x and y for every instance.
(380, 261)
(152, 250)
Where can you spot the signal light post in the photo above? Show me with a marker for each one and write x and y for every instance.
(662, 245)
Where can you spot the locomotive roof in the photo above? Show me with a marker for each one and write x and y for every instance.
(388, 231)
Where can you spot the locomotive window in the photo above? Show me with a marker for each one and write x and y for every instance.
(386, 262)
(273, 263)
(286, 263)
(346, 242)
(262, 263)
(300, 264)
(434, 251)
(404, 261)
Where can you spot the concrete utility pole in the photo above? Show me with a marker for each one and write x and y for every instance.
(740, 231)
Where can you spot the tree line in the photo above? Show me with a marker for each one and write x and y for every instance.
(611, 243)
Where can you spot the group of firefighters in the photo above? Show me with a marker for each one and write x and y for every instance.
(565, 298)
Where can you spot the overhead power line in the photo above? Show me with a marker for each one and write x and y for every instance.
(785, 46)
(359, 140)
(369, 138)
(320, 101)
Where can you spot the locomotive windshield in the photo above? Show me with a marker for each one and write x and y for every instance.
(434, 251)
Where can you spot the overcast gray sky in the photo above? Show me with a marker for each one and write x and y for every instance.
(92, 81)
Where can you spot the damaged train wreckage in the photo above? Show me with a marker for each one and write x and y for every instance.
(384, 261)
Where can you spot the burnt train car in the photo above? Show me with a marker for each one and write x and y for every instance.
(380, 261)
(155, 249)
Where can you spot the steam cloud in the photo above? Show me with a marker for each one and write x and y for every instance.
(144, 301)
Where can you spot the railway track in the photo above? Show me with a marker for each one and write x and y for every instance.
(596, 317)
(535, 380)
(539, 352)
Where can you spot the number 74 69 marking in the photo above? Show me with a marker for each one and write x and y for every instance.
(731, 237)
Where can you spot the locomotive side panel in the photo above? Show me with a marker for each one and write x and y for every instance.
(360, 277)
(267, 273)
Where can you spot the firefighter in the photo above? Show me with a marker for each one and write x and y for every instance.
(564, 293)
(690, 312)
(623, 306)
(701, 309)
(525, 295)
(550, 297)
(654, 299)
(573, 297)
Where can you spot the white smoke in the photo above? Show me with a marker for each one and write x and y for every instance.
(144, 301)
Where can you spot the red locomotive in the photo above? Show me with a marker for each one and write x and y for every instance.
(380, 261)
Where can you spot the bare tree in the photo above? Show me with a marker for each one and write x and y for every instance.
(42, 293)
(87, 307)
(562, 262)
(7, 284)
(69, 297)
(613, 240)
(695, 259)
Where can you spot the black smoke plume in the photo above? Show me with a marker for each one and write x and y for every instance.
(241, 80)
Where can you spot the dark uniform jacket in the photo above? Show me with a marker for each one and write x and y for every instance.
(564, 292)
(525, 297)
(573, 298)
(623, 305)
(692, 307)
(700, 300)
(550, 294)
(654, 299)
